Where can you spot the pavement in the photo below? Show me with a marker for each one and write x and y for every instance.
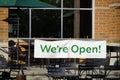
(36, 73)
(32, 73)
(39, 73)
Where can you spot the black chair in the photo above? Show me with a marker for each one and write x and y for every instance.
(116, 50)
(15, 68)
(59, 73)
(55, 72)
(69, 66)
(7, 76)
(92, 69)
(18, 68)
(116, 66)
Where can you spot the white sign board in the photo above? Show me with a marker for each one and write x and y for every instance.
(70, 49)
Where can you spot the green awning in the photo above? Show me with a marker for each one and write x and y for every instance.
(7, 3)
(25, 3)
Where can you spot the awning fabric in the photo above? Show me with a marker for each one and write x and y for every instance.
(7, 3)
(25, 3)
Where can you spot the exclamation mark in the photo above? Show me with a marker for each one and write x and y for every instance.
(99, 48)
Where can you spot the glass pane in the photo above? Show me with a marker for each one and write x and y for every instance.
(68, 24)
(85, 24)
(68, 3)
(77, 3)
(74, 20)
(18, 23)
(46, 23)
(85, 3)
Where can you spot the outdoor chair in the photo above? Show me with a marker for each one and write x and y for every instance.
(115, 67)
(1, 75)
(55, 72)
(16, 68)
(59, 73)
(92, 69)
(7, 76)
(114, 50)
(69, 66)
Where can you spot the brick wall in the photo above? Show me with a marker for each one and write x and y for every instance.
(107, 20)
(3, 24)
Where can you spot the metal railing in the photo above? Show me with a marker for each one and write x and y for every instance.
(28, 46)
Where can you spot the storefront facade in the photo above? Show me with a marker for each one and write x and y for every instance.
(81, 19)
(93, 19)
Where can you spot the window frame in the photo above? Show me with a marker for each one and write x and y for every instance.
(62, 9)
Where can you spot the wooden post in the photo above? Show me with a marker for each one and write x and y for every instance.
(76, 19)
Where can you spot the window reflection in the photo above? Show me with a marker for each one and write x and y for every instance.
(85, 3)
(56, 3)
(68, 23)
(18, 23)
(48, 22)
(45, 23)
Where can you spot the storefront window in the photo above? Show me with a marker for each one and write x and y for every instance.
(65, 20)
(85, 24)
(18, 23)
(56, 3)
(45, 23)
(68, 23)
(85, 3)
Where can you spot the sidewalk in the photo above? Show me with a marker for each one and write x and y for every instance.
(32, 73)
(36, 73)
